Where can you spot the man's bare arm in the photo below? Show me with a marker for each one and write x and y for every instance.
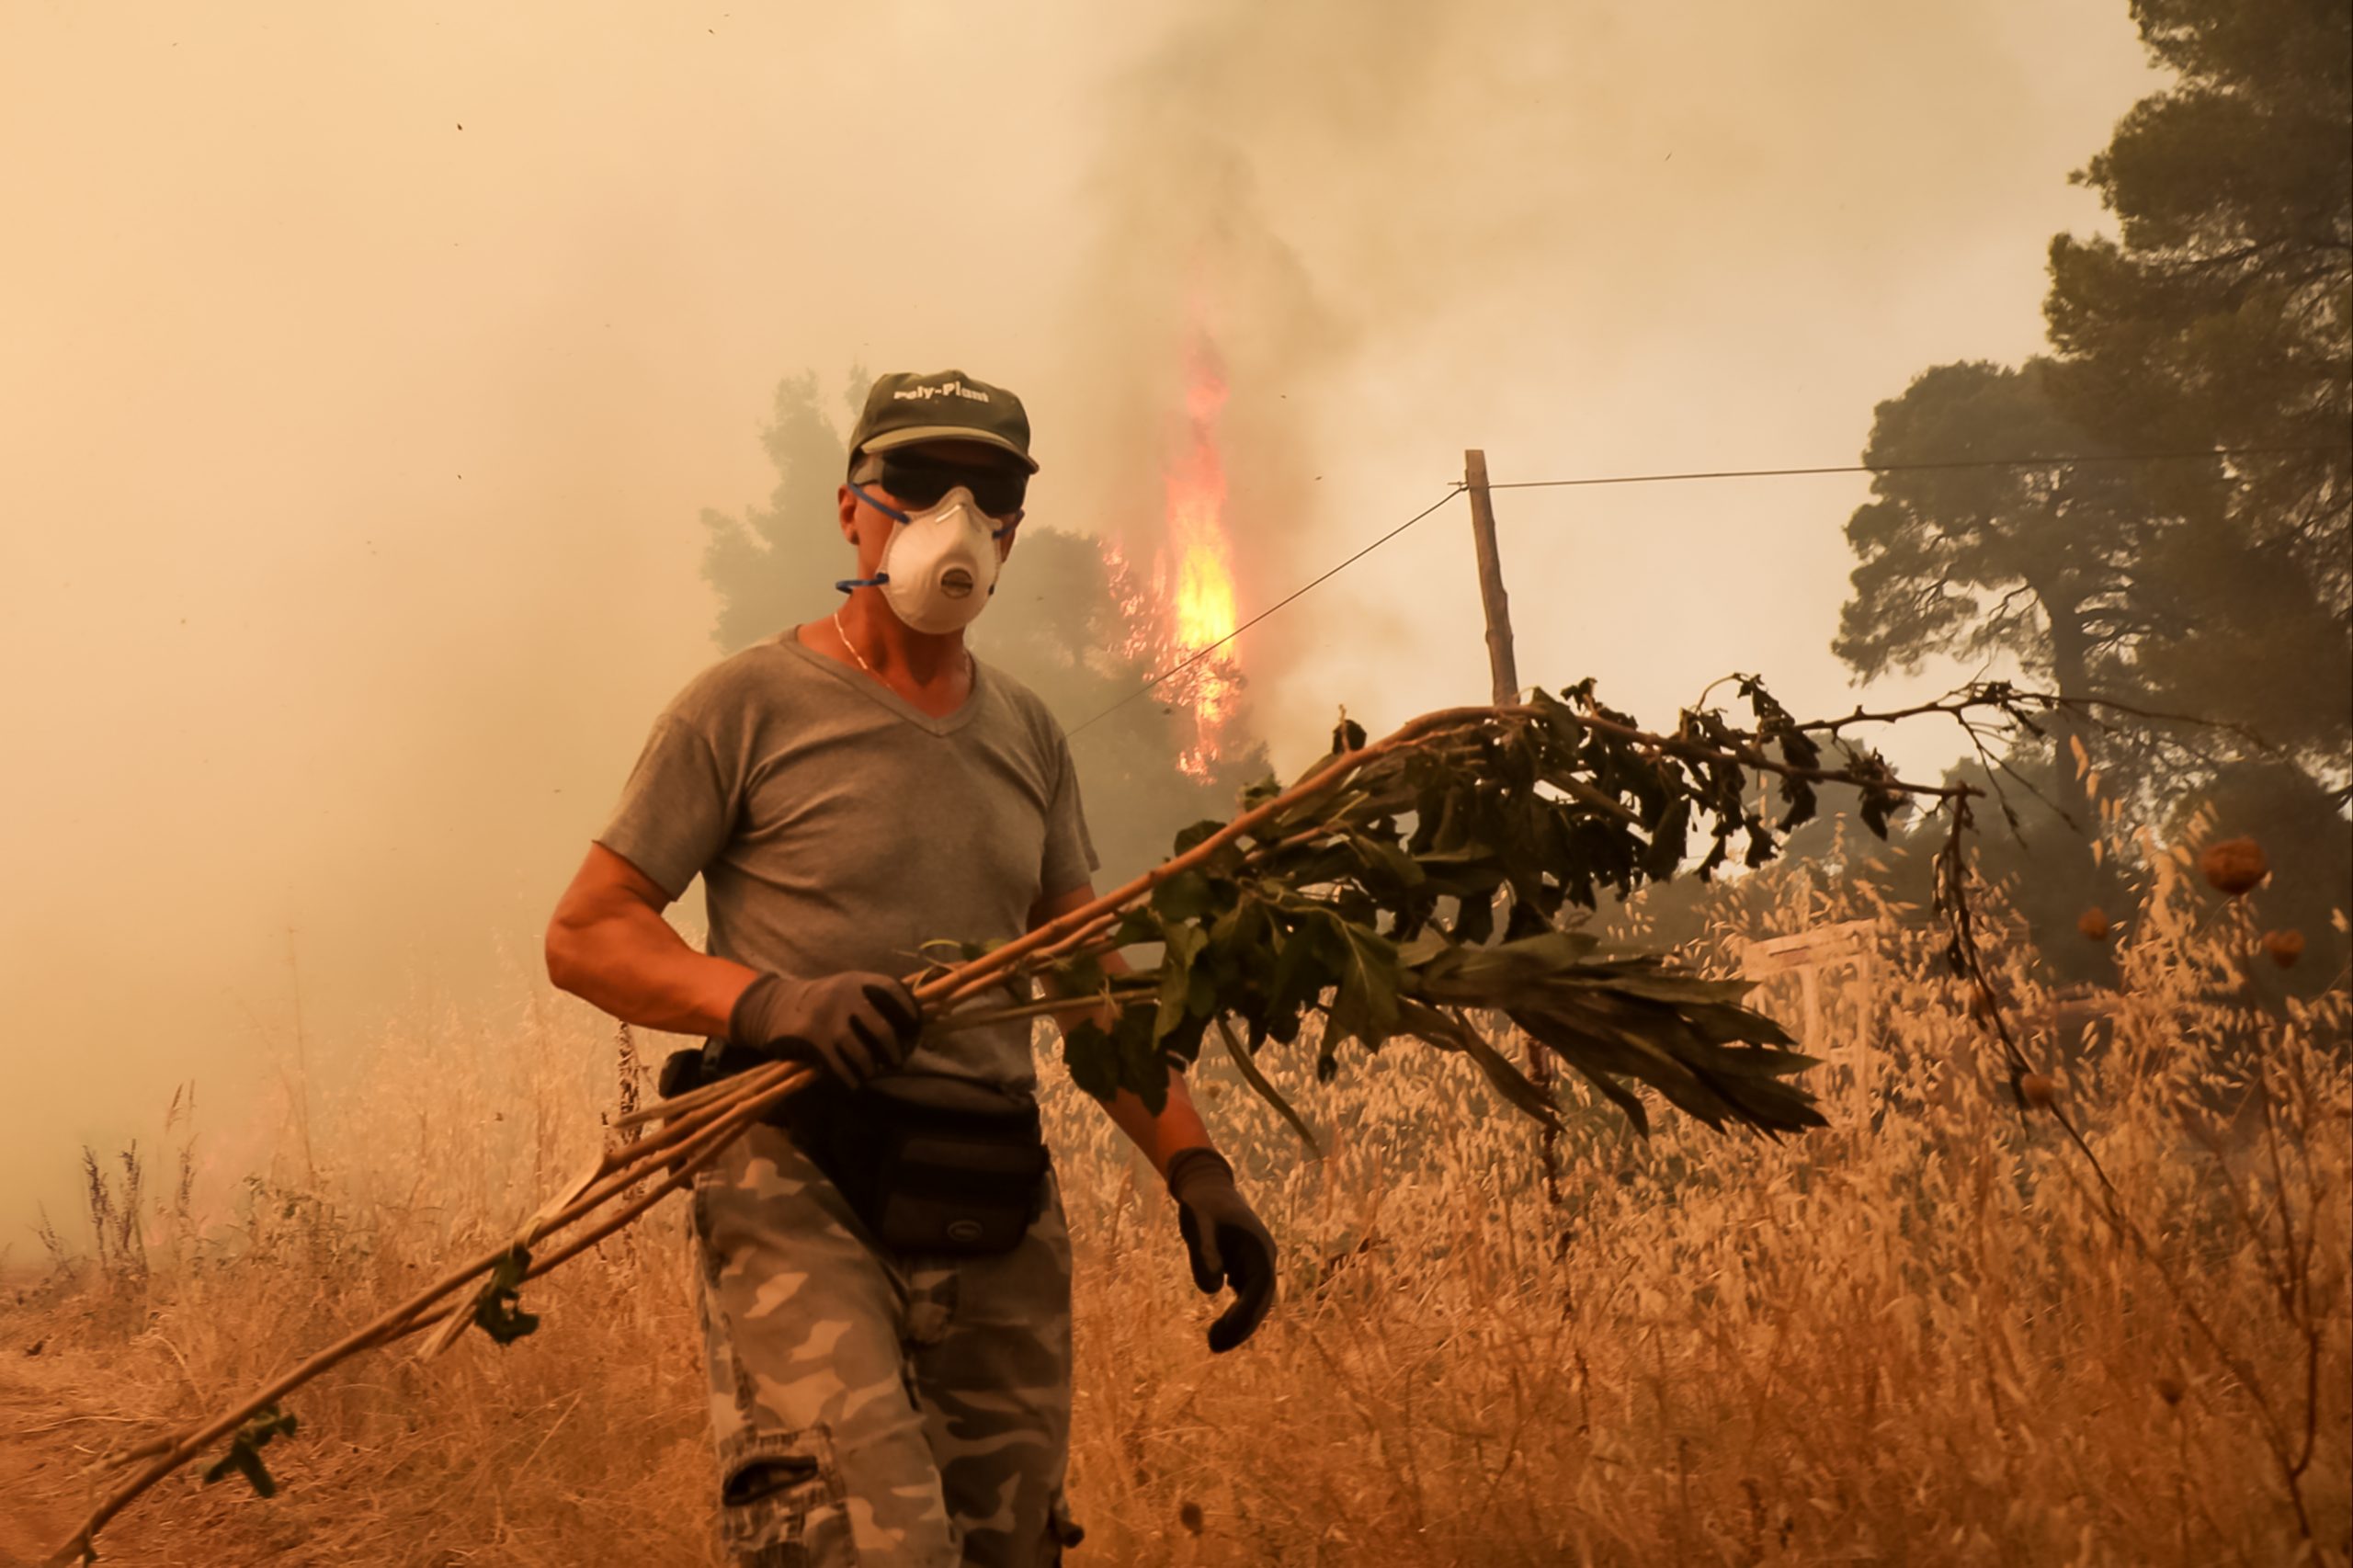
(1179, 1125)
(608, 944)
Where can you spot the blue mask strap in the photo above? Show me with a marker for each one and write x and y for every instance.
(847, 584)
(883, 506)
(998, 527)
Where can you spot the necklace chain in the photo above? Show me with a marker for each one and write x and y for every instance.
(840, 631)
(843, 633)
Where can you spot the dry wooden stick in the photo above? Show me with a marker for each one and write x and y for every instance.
(968, 979)
(689, 1165)
(414, 1313)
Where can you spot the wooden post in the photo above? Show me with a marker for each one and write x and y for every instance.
(1500, 664)
(1504, 672)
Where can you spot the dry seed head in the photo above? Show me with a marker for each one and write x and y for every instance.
(2285, 947)
(2235, 866)
(2093, 923)
(2193, 1122)
(2037, 1089)
(1188, 1514)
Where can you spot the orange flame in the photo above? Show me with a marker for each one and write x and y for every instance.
(1203, 599)
(1189, 607)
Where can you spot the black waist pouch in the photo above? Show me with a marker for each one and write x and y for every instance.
(930, 1164)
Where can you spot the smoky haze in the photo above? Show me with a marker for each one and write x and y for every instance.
(366, 371)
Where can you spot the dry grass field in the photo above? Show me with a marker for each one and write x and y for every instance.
(1934, 1334)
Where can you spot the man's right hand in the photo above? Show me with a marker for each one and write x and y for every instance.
(857, 1024)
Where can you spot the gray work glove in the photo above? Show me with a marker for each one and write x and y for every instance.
(853, 1024)
(1229, 1243)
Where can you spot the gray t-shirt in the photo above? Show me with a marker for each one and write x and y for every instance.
(837, 827)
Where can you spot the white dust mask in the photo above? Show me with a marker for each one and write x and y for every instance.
(941, 564)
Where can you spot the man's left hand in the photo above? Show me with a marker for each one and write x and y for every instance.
(1228, 1242)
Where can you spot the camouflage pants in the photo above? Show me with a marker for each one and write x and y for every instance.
(874, 1408)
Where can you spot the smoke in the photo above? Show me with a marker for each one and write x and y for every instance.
(368, 370)
(366, 376)
(1588, 240)
(1199, 257)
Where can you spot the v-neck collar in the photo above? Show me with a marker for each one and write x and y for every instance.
(858, 681)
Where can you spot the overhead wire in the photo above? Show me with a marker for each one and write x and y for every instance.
(1452, 491)
(2040, 461)
(1460, 487)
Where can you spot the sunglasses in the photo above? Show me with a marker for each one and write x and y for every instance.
(921, 483)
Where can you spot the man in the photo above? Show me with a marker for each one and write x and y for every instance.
(884, 1278)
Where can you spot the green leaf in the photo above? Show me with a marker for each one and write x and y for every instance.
(1246, 927)
(1448, 1032)
(1873, 810)
(1608, 805)
(1135, 927)
(1505, 974)
(1382, 857)
(1474, 918)
(1188, 895)
(1606, 1035)
(496, 1309)
(1143, 1070)
(1092, 1060)
(1425, 949)
(1802, 805)
(1079, 976)
(1553, 950)
(1208, 828)
(1201, 994)
(1248, 1067)
(245, 1450)
(1667, 840)
(1300, 974)
(1527, 919)
(1369, 977)
(1182, 944)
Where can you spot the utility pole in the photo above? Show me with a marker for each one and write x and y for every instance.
(1505, 670)
(1491, 579)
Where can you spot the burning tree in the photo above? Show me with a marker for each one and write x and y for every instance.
(1180, 612)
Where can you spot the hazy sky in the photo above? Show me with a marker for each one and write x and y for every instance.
(363, 371)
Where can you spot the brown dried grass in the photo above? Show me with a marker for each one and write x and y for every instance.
(1919, 1338)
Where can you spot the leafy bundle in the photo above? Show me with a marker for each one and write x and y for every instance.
(1369, 893)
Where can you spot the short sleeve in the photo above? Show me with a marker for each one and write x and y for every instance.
(1070, 857)
(677, 809)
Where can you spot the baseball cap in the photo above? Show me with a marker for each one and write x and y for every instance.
(944, 405)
